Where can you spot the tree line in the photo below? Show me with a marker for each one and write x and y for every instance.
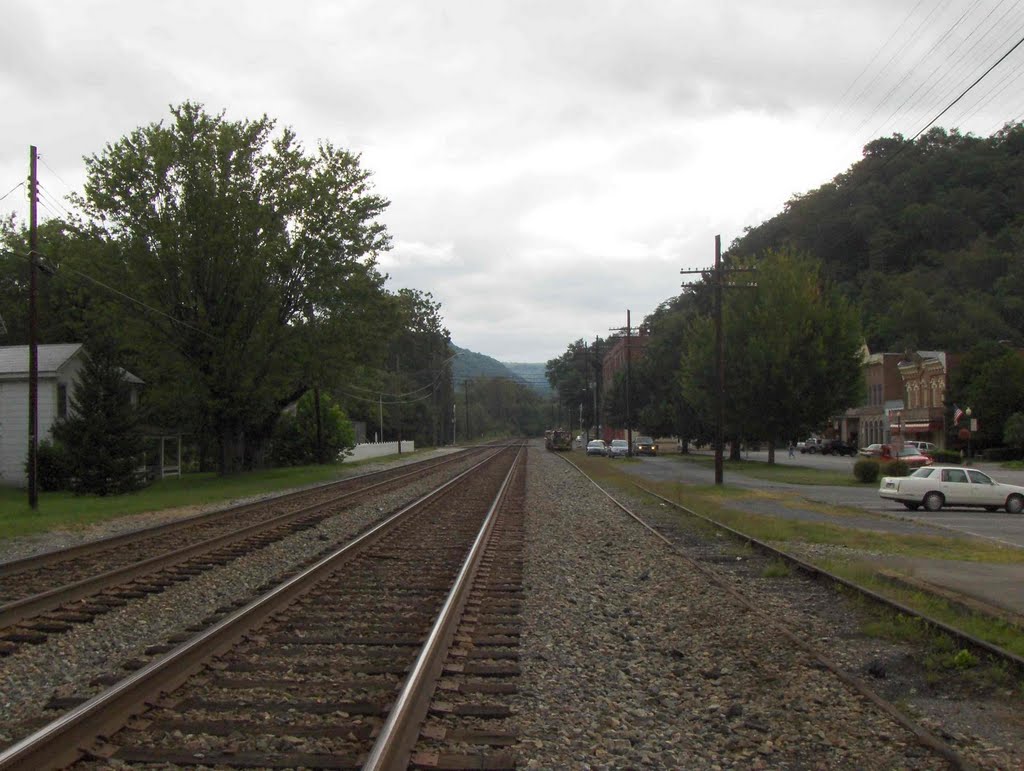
(236, 272)
(917, 246)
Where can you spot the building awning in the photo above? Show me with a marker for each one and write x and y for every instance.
(915, 428)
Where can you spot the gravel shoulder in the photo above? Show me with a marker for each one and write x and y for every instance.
(633, 658)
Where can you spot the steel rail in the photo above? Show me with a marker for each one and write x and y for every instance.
(20, 610)
(925, 737)
(66, 739)
(398, 735)
(820, 573)
(12, 567)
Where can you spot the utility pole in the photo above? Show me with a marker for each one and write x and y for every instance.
(629, 380)
(33, 352)
(465, 388)
(398, 372)
(718, 273)
(380, 413)
(597, 388)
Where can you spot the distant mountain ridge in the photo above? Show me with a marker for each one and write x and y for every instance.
(469, 365)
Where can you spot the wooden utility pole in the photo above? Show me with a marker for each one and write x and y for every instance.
(33, 352)
(718, 273)
(629, 380)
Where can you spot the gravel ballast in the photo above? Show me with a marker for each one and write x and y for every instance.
(632, 658)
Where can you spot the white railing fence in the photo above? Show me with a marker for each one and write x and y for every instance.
(377, 449)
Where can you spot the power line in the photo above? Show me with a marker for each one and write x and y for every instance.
(20, 184)
(966, 90)
(868, 65)
(129, 298)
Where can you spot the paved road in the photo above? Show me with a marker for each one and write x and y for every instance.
(1001, 585)
(998, 526)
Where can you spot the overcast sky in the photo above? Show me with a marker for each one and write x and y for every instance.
(549, 164)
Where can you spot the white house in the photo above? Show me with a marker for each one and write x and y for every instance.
(59, 366)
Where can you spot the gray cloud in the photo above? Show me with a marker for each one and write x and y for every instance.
(549, 164)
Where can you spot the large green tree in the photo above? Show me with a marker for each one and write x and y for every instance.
(250, 263)
(793, 350)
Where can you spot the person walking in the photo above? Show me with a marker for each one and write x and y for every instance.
(792, 448)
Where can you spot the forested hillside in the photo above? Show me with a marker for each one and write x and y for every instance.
(925, 236)
(470, 365)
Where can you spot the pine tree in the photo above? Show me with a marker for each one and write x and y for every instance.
(101, 433)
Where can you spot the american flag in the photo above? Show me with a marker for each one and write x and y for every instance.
(957, 414)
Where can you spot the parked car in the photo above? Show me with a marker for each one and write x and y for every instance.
(909, 455)
(838, 447)
(597, 447)
(871, 451)
(925, 448)
(811, 444)
(619, 448)
(644, 445)
(937, 486)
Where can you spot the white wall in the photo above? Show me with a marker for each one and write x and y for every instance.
(14, 425)
(377, 449)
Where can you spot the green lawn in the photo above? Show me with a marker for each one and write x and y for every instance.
(64, 510)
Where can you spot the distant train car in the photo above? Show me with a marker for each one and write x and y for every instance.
(561, 439)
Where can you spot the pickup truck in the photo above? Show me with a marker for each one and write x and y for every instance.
(811, 445)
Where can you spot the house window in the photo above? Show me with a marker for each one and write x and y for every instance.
(62, 400)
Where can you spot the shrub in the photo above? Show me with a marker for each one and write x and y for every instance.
(866, 470)
(895, 468)
(101, 432)
(294, 440)
(53, 466)
(1001, 453)
(945, 456)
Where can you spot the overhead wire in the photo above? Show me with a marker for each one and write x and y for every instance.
(943, 63)
(868, 65)
(957, 83)
(20, 184)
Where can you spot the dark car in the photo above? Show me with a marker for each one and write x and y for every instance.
(838, 447)
(644, 445)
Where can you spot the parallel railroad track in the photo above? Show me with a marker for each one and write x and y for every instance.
(924, 736)
(336, 667)
(806, 568)
(75, 585)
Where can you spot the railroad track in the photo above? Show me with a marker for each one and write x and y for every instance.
(337, 666)
(924, 736)
(50, 593)
(965, 639)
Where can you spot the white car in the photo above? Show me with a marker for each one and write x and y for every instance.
(619, 448)
(936, 486)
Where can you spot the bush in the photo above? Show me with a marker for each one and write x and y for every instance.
(53, 466)
(294, 440)
(866, 470)
(945, 456)
(895, 468)
(1001, 453)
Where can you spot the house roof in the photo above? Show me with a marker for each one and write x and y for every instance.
(14, 358)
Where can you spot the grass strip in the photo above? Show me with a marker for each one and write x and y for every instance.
(62, 510)
(789, 535)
